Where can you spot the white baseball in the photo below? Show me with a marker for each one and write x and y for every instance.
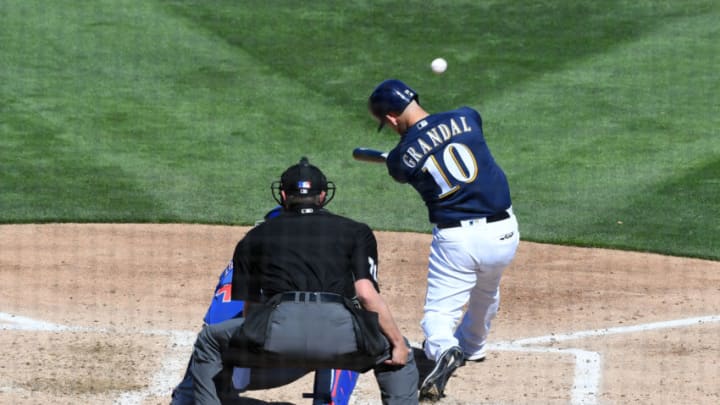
(438, 65)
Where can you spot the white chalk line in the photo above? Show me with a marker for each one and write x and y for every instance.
(165, 379)
(677, 323)
(162, 382)
(587, 373)
(16, 322)
(588, 364)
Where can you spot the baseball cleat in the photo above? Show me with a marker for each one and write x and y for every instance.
(433, 387)
(477, 357)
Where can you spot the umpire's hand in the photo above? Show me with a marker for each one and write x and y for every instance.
(399, 355)
(372, 301)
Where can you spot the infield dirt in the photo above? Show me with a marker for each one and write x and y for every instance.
(610, 327)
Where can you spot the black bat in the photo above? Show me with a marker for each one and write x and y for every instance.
(369, 155)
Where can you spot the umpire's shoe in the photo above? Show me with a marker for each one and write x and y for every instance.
(434, 385)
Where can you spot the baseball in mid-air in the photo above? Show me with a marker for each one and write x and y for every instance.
(439, 65)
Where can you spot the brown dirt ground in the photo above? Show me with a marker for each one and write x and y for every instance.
(132, 298)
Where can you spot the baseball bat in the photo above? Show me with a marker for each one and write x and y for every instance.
(369, 155)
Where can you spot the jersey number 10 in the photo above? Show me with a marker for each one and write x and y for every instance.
(458, 162)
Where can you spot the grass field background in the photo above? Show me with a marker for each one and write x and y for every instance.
(604, 115)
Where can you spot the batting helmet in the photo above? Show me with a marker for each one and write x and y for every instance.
(392, 95)
(303, 179)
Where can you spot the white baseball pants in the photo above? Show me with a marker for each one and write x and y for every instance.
(465, 267)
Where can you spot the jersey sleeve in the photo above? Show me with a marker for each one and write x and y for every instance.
(395, 166)
(365, 255)
(474, 114)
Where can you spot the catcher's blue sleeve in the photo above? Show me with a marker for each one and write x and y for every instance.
(222, 307)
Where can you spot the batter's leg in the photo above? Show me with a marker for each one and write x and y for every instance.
(481, 310)
(450, 278)
(495, 250)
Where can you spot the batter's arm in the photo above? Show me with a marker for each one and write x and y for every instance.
(395, 167)
(371, 300)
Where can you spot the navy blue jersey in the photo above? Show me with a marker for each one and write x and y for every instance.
(446, 159)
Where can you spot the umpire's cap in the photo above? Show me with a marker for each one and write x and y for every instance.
(303, 179)
(391, 95)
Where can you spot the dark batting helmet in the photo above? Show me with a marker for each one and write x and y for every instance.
(392, 95)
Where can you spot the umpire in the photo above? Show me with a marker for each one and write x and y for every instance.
(309, 281)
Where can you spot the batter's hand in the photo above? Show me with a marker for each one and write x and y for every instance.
(398, 355)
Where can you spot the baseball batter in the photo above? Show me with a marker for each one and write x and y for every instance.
(445, 157)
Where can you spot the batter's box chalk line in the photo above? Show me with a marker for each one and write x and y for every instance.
(585, 388)
(177, 352)
(588, 365)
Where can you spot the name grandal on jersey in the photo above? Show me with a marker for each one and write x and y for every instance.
(434, 137)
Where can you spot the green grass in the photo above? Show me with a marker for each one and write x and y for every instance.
(603, 114)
